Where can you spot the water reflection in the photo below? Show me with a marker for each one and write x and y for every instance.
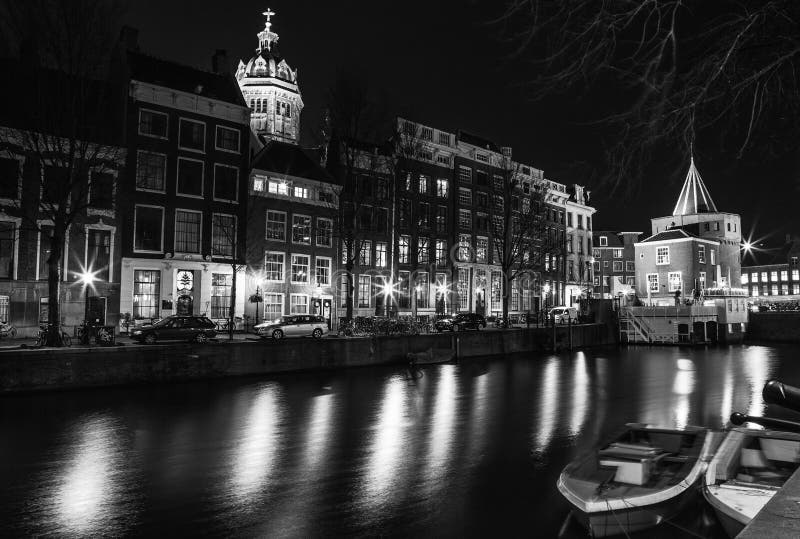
(581, 394)
(442, 431)
(87, 493)
(682, 389)
(547, 418)
(319, 428)
(255, 454)
(757, 371)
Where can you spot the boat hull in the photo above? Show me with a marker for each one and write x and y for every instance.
(730, 524)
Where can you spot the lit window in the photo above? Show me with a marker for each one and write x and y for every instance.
(276, 225)
(273, 306)
(617, 252)
(380, 254)
(465, 218)
(744, 278)
(299, 304)
(220, 295)
(464, 174)
(146, 293)
(764, 277)
(364, 292)
(652, 282)
(773, 275)
(442, 187)
(662, 255)
(301, 229)
(273, 267)
(423, 184)
(364, 254)
(423, 249)
(300, 192)
(464, 247)
(258, 184)
(795, 275)
(701, 254)
(323, 271)
(277, 187)
(481, 249)
(441, 252)
(300, 264)
(324, 232)
(223, 235)
(784, 275)
(402, 251)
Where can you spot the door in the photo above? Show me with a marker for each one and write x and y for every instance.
(326, 311)
(185, 305)
(96, 314)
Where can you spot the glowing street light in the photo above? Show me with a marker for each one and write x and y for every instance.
(86, 277)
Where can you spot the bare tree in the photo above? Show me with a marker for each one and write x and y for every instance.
(72, 115)
(523, 239)
(668, 69)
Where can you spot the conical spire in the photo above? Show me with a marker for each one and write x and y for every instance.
(694, 197)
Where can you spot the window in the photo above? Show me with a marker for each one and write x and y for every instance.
(443, 159)
(465, 196)
(796, 289)
(441, 252)
(277, 187)
(498, 203)
(481, 249)
(422, 290)
(603, 241)
(617, 265)
(423, 250)
(481, 178)
(630, 281)
(283, 108)
(795, 275)
(713, 258)
(402, 251)
(276, 225)
(98, 252)
(441, 219)
(101, 190)
(4, 309)
(764, 277)
(227, 139)
(497, 291)
(662, 255)
(192, 135)
(364, 290)
(754, 277)
(424, 181)
(569, 218)
(152, 123)
(464, 174)
(423, 219)
(425, 155)
(674, 279)
(405, 212)
(465, 219)
(597, 266)
(300, 264)
(190, 177)
(150, 171)
(754, 292)
(300, 192)
(298, 304)
(744, 278)
(148, 226)
(464, 247)
(226, 182)
(442, 187)
(774, 290)
(10, 170)
(482, 157)
(364, 253)
(773, 275)
(497, 182)
(301, 229)
(702, 279)
(258, 184)
(223, 235)
(784, 275)
(617, 253)
(8, 236)
(785, 289)
(380, 254)
(482, 199)
(482, 222)
(629, 266)
(187, 231)
(652, 282)
(273, 266)
(146, 293)
(323, 271)
(273, 306)
(462, 288)
(444, 138)
(324, 232)
(220, 295)
(325, 196)
(569, 243)
(605, 263)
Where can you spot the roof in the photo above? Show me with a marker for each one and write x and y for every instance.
(480, 142)
(146, 68)
(694, 197)
(672, 234)
(613, 239)
(292, 160)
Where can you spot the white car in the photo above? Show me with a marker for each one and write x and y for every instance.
(299, 325)
(562, 315)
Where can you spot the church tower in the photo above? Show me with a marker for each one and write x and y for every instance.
(269, 87)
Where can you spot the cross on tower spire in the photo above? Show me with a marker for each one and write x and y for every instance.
(268, 14)
(267, 37)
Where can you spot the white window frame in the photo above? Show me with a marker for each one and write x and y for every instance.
(307, 271)
(630, 265)
(603, 241)
(662, 259)
(381, 262)
(310, 226)
(358, 291)
(136, 173)
(283, 267)
(17, 225)
(329, 270)
(617, 253)
(202, 178)
(279, 183)
(266, 224)
(236, 234)
(214, 186)
(701, 254)
(670, 285)
(133, 236)
(238, 140)
(175, 231)
(139, 126)
(205, 132)
(784, 275)
(652, 285)
(104, 227)
(292, 304)
(21, 160)
(316, 233)
(282, 304)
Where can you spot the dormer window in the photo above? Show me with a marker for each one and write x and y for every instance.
(603, 241)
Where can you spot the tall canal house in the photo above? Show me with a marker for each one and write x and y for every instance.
(688, 272)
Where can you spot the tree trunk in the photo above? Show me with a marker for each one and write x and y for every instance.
(350, 286)
(507, 283)
(232, 308)
(54, 288)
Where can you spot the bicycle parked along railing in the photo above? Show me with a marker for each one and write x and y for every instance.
(41, 337)
(7, 330)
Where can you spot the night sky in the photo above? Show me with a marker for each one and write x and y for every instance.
(443, 64)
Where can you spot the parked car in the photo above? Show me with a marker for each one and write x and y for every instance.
(562, 315)
(176, 328)
(459, 322)
(301, 325)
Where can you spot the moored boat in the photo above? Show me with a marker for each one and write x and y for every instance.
(638, 480)
(747, 470)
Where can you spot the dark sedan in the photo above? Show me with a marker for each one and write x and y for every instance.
(459, 322)
(176, 328)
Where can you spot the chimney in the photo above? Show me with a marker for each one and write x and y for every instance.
(219, 62)
(129, 37)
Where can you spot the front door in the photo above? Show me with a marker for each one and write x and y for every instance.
(96, 315)
(185, 305)
(326, 311)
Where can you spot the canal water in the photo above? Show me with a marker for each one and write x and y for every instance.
(472, 449)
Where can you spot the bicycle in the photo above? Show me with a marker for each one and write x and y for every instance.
(41, 337)
(7, 330)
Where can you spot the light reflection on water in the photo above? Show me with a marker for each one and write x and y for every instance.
(472, 449)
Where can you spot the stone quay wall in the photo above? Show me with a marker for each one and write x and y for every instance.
(40, 369)
(774, 327)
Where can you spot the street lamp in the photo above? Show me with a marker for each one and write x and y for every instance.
(546, 291)
(478, 300)
(87, 278)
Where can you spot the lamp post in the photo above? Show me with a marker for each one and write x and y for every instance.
(87, 278)
(478, 301)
